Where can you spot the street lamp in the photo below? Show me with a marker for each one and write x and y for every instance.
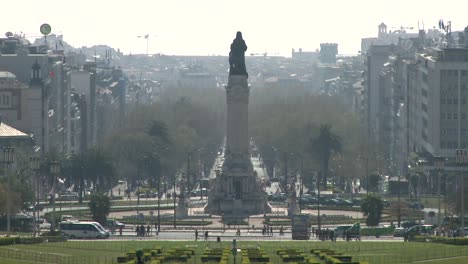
(439, 164)
(8, 159)
(54, 171)
(462, 160)
(175, 201)
(420, 170)
(318, 201)
(159, 198)
(34, 166)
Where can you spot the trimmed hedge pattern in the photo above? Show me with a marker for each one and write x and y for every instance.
(4, 241)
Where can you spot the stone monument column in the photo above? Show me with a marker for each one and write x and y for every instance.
(236, 191)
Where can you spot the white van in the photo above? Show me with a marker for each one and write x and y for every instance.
(77, 229)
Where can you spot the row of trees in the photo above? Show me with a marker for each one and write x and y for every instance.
(153, 145)
(319, 130)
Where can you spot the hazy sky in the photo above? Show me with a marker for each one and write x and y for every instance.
(207, 27)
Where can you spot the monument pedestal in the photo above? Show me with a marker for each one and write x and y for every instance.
(182, 208)
(237, 191)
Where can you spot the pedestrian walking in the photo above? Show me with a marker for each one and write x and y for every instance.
(120, 231)
(196, 234)
(148, 230)
(206, 235)
(137, 230)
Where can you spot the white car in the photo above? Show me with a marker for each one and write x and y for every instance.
(43, 224)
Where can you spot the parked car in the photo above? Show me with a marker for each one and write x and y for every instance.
(399, 232)
(408, 224)
(416, 205)
(69, 197)
(148, 195)
(43, 224)
(117, 224)
(419, 230)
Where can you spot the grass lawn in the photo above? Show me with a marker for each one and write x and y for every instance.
(107, 251)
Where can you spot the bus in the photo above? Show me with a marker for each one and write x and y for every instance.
(18, 223)
(77, 229)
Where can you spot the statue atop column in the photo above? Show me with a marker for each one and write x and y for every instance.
(237, 57)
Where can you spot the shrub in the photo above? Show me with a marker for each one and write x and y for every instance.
(29, 240)
(7, 241)
(459, 241)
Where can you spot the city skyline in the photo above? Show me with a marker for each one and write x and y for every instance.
(207, 27)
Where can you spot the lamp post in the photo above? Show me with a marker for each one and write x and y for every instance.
(34, 166)
(462, 160)
(8, 159)
(285, 180)
(301, 191)
(138, 185)
(54, 171)
(159, 199)
(175, 201)
(420, 168)
(439, 164)
(399, 203)
(318, 201)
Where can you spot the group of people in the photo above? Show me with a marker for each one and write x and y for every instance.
(141, 231)
(324, 234)
(205, 235)
(267, 230)
(330, 234)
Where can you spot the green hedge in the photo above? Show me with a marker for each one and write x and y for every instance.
(4, 241)
(459, 241)
(7, 241)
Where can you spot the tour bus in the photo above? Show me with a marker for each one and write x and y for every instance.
(77, 229)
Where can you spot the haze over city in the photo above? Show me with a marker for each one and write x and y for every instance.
(203, 27)
(153, 125)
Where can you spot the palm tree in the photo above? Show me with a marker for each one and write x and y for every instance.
(323, 146)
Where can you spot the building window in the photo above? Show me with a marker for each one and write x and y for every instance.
(455, 116)
(463, 116)
(449, 116)
(443, 144)
(442, 115)
(455, 101)
(444, 132)
(463, 100)
(449, 101)
(442, 101)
